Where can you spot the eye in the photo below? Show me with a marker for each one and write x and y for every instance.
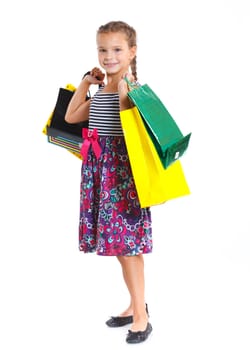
(102, 50)
(118, 49)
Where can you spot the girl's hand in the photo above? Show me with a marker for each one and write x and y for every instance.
(123, 89)
(96, 76)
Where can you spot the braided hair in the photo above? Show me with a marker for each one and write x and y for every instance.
(119, 26)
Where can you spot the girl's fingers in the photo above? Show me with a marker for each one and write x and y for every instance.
(97, 73)
(129, 76)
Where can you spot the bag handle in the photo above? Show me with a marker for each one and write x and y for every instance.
(132, 85)
(88, 93)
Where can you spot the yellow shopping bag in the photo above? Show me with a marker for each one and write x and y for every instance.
(155, 184)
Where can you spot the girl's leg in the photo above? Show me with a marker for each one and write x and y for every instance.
(133, 273)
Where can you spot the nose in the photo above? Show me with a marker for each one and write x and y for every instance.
(108, 55)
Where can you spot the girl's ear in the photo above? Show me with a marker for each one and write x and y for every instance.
(133, 51)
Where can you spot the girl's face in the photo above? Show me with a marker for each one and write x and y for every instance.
(114, 54)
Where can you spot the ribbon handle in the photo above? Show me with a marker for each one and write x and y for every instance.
(132, 85)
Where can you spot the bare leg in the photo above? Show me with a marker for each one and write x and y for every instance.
(129, 310)
(133, 273)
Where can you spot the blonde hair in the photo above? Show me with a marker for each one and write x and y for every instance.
(122, 27)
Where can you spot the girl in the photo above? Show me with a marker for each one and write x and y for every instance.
(111, 220)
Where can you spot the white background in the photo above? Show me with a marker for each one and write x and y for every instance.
(195, 55)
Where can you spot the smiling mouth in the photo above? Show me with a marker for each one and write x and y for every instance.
(109, 65)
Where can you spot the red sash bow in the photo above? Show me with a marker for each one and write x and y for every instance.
(90, 137)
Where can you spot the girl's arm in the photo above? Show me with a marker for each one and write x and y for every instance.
(78, 108)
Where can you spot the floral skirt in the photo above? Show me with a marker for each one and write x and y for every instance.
(111, 219)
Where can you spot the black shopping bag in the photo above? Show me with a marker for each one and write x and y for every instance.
(58, 131)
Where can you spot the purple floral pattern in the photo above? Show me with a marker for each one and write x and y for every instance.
(111, 219)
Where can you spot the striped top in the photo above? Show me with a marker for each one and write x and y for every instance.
(104, 114)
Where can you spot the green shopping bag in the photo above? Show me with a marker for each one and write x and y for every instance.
(167, 138)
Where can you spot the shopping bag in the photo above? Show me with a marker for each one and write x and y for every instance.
(154, 184)
(162, 128)
(58, 131)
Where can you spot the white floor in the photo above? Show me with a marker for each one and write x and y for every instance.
(60, 300)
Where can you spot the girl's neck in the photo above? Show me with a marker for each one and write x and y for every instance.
(112, 83)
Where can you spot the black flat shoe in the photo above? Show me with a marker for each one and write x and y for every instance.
(140, 336)
(120, 321)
